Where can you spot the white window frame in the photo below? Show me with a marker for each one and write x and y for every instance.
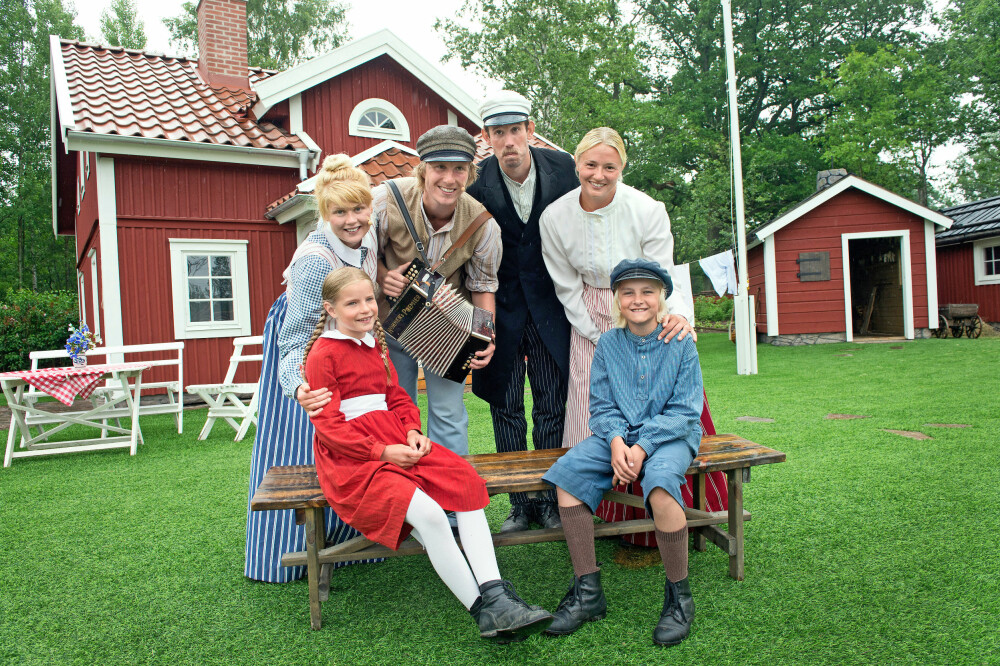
(82, 291)
(979, 260)
(96, 328)
(402, 131)
(180, 249)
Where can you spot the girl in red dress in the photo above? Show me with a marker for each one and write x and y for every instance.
(385, 478)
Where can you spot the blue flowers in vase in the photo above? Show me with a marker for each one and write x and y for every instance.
(79, 341)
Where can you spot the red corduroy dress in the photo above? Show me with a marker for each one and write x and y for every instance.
(371, 495)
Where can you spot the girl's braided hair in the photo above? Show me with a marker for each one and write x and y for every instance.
(332, 286)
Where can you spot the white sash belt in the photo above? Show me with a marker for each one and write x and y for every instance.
(362, 404)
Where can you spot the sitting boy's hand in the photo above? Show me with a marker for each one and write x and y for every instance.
(400, 454)
(626, 461)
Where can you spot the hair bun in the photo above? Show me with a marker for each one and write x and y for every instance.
(338, 162)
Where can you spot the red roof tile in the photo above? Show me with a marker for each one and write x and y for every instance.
(134, 93)
(392, 163)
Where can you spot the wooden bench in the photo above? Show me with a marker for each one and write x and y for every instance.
(297, 488)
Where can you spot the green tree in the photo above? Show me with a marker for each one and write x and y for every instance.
(121, 26)
(280, 33)
(30, 255)
(977, 172)
(895, 108)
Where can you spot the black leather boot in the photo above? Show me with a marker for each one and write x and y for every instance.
(504, 616)
(678, 613)
(584, 602)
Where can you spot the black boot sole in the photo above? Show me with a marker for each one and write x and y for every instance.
(594, 618)
(671, 643)
(518, 634)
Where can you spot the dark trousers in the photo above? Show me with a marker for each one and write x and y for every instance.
(548, 391)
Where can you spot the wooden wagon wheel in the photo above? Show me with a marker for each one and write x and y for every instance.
(975, 329)
(956, 331)
(942, 330)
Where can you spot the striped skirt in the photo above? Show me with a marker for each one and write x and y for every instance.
(581, 355)
(284, 437)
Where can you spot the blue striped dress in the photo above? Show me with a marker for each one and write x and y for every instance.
(284, 432)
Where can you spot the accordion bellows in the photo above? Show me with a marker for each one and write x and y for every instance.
(434, 324)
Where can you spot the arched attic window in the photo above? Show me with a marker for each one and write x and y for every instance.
(378, 119)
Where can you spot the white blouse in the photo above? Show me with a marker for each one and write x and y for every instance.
(580, 247)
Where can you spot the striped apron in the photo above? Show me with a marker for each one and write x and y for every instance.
(581, 354)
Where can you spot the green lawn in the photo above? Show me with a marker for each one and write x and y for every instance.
(864, 546)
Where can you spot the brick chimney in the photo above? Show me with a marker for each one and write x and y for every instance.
(825, 179)
(222, 43)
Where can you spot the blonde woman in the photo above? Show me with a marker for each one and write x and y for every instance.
(344, 237)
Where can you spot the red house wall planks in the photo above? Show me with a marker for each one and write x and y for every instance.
(159, 200)
(818, 307)
(326, 108)
(957, 282)
(755, 272)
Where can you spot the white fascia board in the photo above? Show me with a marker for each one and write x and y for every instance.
(107, 213)
(863, 185)
(60, 88)
(114, 144)
(380, 148)
(293, 81)
(294, 208)
(54, 178)
(317, 152)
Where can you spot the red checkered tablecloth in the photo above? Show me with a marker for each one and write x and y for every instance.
(65, 384)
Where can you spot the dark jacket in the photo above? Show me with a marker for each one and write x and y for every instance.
(525, 285)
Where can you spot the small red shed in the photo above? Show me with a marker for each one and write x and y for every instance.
(968, 257)
(165, 170)
(852, 260)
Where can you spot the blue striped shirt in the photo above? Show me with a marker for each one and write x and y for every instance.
(640, 385)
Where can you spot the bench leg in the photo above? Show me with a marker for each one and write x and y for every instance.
(701, 504)
(734, 477)
(315, 540)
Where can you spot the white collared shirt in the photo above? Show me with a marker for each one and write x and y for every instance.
(368, 339)
(349, 255)
(522, 194)
(584, 247)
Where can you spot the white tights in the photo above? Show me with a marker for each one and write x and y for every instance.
(462, 575)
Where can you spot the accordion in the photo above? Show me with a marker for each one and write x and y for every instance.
(434, 324)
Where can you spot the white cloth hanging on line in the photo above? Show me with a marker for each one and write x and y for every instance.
(721, 270)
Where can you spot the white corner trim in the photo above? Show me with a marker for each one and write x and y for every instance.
(293, 81)
(114, 144)
(107, 213)
(771, 287)
(179, 249)
(54, 178)
(979, 261)
(402, 131)
(60, 86)
(863, 185)
(930, 257)
(904, 236)
(377, 149)
(295, 114)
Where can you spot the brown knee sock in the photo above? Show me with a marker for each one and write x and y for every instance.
(578, 524)
(674, 553)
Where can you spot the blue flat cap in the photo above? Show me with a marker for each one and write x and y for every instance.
(641, 269)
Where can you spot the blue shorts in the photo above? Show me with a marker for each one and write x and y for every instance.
(585, 471)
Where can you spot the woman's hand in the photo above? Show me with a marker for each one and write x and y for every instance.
(482, 358)
(312, 401)
(401, 455)
(394, 283)
(674, 324)
(418, 442)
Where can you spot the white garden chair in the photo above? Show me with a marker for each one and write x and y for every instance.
(228, 400)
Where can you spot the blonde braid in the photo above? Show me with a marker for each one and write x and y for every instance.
(380, 336)
(318, 331)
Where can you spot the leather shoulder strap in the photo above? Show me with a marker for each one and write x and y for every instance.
(466, 235)
(409, 221)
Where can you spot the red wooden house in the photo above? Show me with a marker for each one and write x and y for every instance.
(851, 260)
(968, 257)
(173, 174)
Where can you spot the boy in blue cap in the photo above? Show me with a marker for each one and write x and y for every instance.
(645, 405)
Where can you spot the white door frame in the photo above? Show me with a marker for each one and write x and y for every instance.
(904, 242)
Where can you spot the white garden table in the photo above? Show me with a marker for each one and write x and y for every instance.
(65, 384)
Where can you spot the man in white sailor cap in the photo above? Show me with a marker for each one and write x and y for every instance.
(532, 333)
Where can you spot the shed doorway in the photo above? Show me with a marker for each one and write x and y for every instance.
(876, 272)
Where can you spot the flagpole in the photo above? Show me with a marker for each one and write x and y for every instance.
(743, 317)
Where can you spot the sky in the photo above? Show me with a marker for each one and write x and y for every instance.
(403, 17)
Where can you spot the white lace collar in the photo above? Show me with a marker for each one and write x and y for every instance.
(369, 339)
(349, 255)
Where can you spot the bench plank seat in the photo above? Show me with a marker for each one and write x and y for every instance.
(297, 488)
